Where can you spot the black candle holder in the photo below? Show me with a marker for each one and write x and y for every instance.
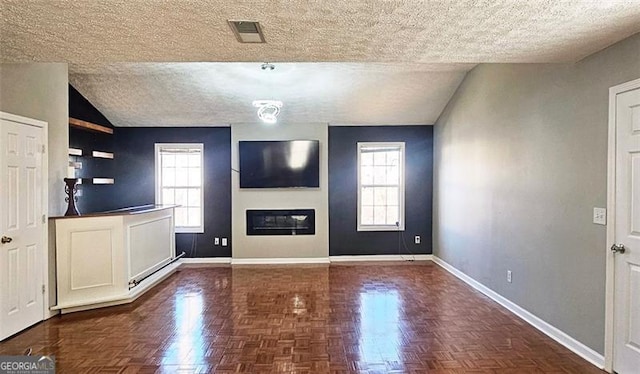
(70, 189)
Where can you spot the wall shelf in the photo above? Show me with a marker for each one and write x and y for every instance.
(95, 154)
(84, 125)
(102, 181)
(76, 165)
(99, 154)
(95, 181)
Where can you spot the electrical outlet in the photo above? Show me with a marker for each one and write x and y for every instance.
(600, 216)
(216, 241)
(416, 239)
(509, 276)
(224, 242)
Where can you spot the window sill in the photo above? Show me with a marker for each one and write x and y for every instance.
(189, 230)
(381, 228)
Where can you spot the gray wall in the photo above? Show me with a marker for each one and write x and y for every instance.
(520, 162)
(40, 91)
(296, 246)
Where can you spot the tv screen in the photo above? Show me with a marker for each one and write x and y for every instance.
(275, 164)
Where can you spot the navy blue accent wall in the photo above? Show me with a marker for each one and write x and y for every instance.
(81, 108)
(344, 239)
(93, 196)
(135, 179)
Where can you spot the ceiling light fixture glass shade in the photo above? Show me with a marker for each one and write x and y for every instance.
(268, 110)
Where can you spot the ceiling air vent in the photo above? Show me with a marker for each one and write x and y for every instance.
(247, 31)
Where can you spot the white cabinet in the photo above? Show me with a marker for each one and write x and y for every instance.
(112, 258)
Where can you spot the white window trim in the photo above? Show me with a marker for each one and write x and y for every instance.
(158, 187)
(400, 227)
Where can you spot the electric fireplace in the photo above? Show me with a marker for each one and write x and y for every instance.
(281, 222)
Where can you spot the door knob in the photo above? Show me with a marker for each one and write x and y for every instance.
(6, 239)
(618, 248)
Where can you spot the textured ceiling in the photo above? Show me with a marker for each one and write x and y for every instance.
(191, 94)
(445, 31)
(144, 62)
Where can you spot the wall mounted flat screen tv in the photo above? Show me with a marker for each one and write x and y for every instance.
(279, 164)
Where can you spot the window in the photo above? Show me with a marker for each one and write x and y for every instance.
(179, 181)
(380, 186)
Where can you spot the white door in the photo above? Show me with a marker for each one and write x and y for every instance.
(21, 227)
(626, 351)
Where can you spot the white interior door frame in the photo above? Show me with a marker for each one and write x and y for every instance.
(46, 313)
(611, 224)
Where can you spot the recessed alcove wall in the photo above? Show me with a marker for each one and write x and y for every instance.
(93, 197)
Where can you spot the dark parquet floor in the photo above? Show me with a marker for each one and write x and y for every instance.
(360, 318)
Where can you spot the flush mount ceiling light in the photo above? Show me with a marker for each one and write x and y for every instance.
(267, 66)
(268, 110)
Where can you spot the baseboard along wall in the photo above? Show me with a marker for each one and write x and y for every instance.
(554, 333)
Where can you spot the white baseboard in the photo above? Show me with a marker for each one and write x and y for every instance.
(380, 258)
(279, 261)
(554, 333)
(50, 313)
(303, 260)
(206, 260)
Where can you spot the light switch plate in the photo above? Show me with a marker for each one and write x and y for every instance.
(600, 216)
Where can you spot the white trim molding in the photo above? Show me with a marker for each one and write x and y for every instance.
(303, 260)
(373, 147)
(554, 333)
(175, 148)
(205, 260)
(23, 120)
(279, 260)
(380, 258)
(611, 224)
(378, 124)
